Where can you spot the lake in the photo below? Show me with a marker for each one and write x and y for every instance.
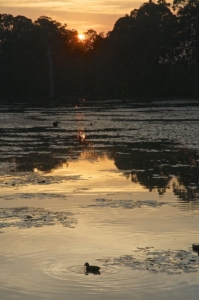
(115, 185)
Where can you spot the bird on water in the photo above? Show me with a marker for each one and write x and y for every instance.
(55, 123)
(92, 269)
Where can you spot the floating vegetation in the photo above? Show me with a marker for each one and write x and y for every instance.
(30, 196)
(149, 145)
(27, 217)
(21, 179)
(127, 204)
(155, 261)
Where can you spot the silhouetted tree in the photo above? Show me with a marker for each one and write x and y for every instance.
(151, 52)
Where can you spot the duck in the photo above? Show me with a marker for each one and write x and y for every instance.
(55, 123)
(92, 269)
(195, 247)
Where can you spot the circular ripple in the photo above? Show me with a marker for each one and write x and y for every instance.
(123, 275)
(104, 270)
(60, 270)
(77, 269)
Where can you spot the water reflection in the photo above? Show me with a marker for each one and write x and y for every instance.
(91, 172)
(148, 159)
(156, 171)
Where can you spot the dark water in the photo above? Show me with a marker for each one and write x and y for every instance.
(117, 186)
(149, 145)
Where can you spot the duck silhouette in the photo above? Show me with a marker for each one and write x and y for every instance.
(195, 247)
(55, 123)
(91, 269)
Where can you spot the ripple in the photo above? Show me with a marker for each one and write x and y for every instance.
(60, 270)
(77, 269)
(104, 270)
(120, 276)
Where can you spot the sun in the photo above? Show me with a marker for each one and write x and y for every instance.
(81, 37)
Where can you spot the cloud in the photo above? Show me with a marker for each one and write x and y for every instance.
(94, 6)
(78, 20)
(80, 15)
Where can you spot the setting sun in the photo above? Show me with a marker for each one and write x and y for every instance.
(81, 36)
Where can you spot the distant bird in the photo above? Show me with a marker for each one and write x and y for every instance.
(92, 269)
(195, 247)
(55, 123)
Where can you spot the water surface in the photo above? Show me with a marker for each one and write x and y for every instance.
(125, 198)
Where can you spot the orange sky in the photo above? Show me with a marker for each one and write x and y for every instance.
(81, 15)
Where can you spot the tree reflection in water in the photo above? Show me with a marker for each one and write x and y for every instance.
(156, 168)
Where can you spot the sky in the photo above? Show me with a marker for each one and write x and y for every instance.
(80, 15)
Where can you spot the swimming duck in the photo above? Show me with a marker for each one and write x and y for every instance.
(55, 123)
(195, 247)
(92, 269)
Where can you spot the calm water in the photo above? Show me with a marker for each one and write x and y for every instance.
(116, 186)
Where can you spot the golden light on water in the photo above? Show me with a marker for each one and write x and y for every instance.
(91, 174)
(81, 136)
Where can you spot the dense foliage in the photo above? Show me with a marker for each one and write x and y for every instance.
(151, 52)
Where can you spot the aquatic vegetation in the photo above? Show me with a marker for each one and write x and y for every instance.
(128, 204)
(27, 217)
(157, 261)
(21, 178)
(145, 193)
(31, 196)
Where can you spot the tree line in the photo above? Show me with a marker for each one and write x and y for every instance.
(151, 52)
